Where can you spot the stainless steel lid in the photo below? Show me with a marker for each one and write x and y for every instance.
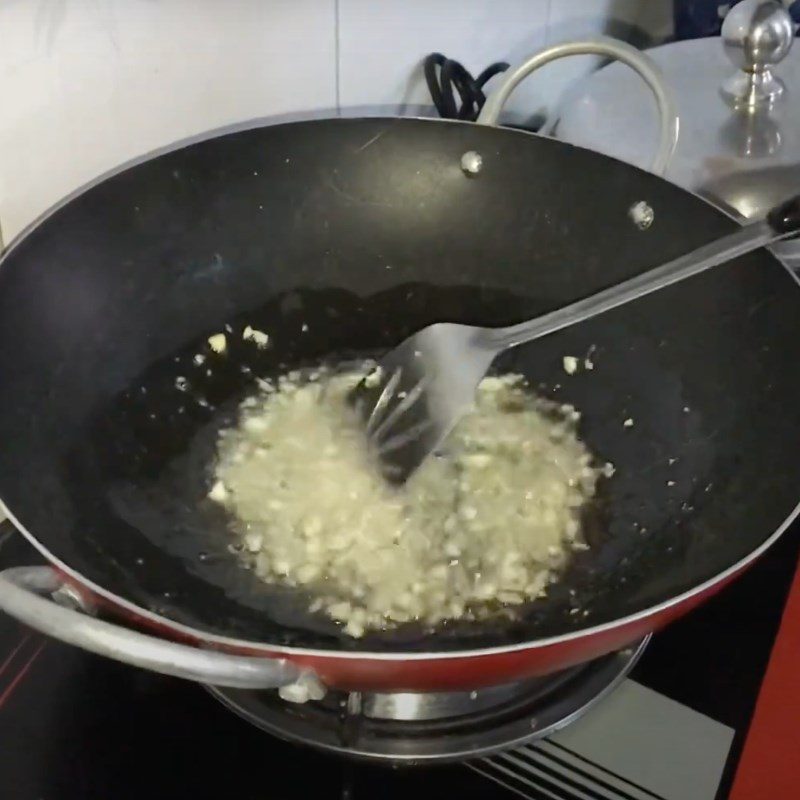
(739, 142)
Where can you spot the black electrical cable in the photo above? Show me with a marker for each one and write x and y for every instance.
(443, 76)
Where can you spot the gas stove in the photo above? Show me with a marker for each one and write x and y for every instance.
(666, 720)
(412, 729)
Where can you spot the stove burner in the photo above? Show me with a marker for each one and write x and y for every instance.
(413, 728)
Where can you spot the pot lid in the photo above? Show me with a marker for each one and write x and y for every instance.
(742, 152)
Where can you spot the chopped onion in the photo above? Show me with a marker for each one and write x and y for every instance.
(488, 525)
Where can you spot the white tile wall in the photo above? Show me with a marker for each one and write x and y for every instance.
(89, 84)
(381, 45)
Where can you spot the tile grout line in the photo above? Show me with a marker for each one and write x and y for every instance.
(546, 22)
(337, 54)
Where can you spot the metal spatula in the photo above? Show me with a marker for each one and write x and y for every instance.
(421, 388)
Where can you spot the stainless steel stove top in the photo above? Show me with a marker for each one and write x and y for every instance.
(414, 728)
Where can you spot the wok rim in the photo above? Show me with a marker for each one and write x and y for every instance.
(278, 650)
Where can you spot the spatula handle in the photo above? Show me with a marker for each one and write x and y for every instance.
(782, 222)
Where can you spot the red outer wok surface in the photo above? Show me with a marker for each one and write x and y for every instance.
(434, 673)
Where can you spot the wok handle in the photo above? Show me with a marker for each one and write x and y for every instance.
(20, 597)
(602, 46)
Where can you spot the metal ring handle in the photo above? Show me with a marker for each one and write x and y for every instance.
(20, 588)
(602, 46)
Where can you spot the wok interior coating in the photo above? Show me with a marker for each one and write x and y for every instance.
(366, 230)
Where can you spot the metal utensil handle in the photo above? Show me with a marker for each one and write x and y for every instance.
(783, 221)
(20, 590)
(602, 46)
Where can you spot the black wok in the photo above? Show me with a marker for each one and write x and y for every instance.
(364, 231)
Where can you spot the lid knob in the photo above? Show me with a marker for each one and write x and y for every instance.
(756, 35)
